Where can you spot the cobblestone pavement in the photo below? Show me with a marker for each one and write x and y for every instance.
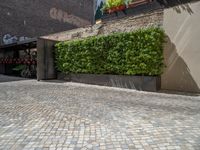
(68, 116)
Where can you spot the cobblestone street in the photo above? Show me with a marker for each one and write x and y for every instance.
(70, 116)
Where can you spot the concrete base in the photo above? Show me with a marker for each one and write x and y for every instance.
(143, 83)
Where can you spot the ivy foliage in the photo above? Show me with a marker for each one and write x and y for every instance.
(134, 53)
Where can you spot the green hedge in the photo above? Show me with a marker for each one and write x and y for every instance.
(135, 53)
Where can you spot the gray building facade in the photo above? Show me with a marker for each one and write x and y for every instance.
(24, 19)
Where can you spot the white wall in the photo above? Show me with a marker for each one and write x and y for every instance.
(182, 52)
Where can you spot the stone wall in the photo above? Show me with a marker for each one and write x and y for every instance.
(120, 25)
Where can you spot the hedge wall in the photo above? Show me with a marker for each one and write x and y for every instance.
(135, 53)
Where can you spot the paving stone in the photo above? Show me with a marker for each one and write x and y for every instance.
(52, 116)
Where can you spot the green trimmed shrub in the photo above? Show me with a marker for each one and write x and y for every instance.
(134, 53)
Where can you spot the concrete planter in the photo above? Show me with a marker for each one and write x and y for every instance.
(143, 83)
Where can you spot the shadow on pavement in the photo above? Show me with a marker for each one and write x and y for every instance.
(53, 81)
(4, 78)
(178, 93)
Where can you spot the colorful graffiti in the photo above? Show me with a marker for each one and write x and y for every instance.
(10, 39)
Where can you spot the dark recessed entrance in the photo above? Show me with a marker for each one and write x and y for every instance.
(19, 59)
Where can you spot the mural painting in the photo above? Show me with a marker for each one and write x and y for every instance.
(65, 17)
